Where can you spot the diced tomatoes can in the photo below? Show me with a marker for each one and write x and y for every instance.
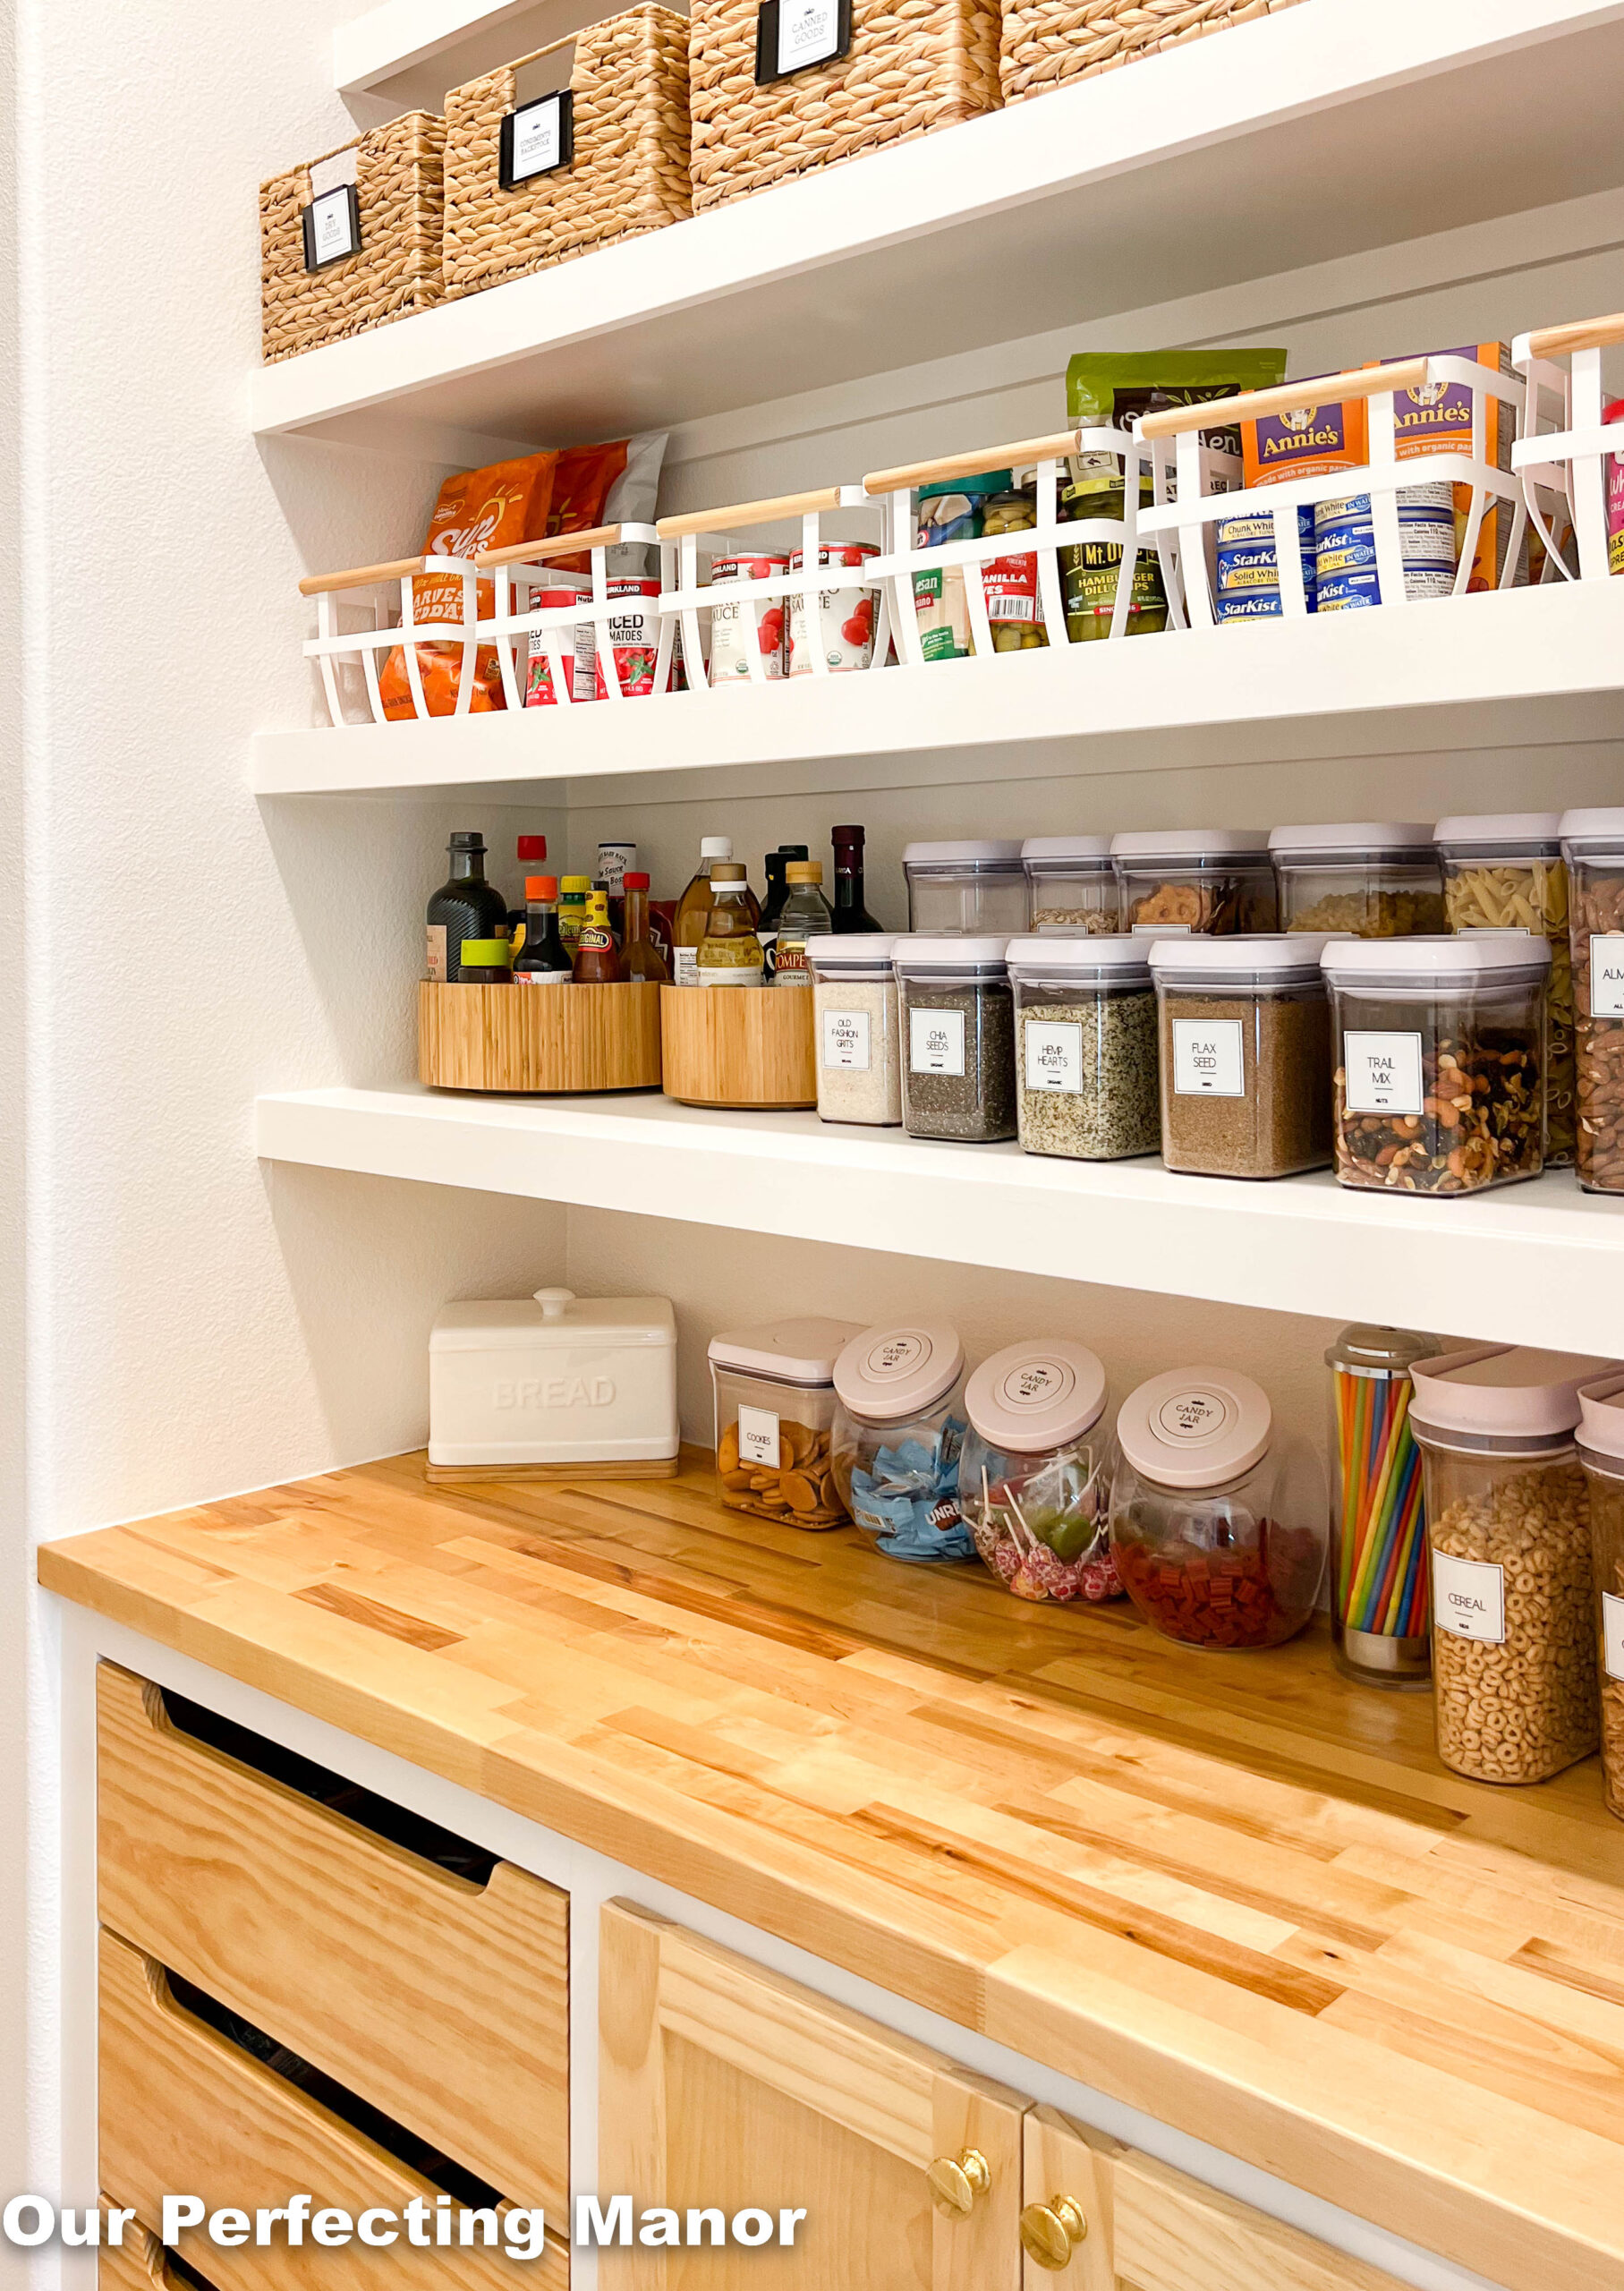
(633, 634)
(845, 616)
(739, 622)
(539, 691)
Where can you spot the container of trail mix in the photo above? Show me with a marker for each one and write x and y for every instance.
(957, 1038)
(1085, 1047)
(1071, 885)
(1601, 1455)
(1379, 879)
(1211, 879)
(1592, 845)
(1440, 1050)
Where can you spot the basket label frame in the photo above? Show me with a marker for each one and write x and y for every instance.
(538, 138)
(794, 35)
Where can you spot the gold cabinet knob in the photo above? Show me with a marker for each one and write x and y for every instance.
(955, 2189)
(1050, 2232)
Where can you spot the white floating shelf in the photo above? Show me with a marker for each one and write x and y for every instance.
(1337, 126)
(1556, 653)
(1538, 1263)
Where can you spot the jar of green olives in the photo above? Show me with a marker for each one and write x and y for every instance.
(1034, 1478)
(1010, 583)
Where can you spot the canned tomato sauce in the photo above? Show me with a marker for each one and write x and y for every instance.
(845, 616)
(739, 622)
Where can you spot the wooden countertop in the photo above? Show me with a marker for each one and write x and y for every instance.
(1235, 1891)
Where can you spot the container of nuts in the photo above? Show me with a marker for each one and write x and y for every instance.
(775, 1420)
(1602, 1455)
(1592, 845)
(1505, 872)
(1514, 1644)
(1377, 879)
(1440, 1053)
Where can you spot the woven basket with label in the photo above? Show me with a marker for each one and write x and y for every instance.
(381, 203)
(1047, 42)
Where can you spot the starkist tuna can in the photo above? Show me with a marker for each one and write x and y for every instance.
(1248, 577)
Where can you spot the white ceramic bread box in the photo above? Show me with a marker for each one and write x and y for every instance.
(552, 1386)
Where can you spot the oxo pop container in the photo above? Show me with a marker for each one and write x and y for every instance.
(556, 1379)
(856, 1013)
(1071, 885)
(1602, 1455)
(1592, 845)
(774, 1388)
(1035, 1476)
(900, 1428)
(965, 888)
(1377, 880)
(1508, 1515)
(1213, 880)
(1245, 1055)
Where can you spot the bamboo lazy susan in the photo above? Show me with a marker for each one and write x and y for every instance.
(539, 1038)
(745, 1046)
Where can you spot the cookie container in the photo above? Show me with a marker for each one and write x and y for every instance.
(774, 1391)
(1071, 885)
(1592, 845)
(900, 1430)
(1601, 1455)
(1036, 1476)
(1085, 1047)
(1244, 1046)
(1378, 880)
(1505, 872)
(1514, 1656)
(1440, 1050)
(1218, 1524)
(1212, 879)
(957, 1039)
(965, 889)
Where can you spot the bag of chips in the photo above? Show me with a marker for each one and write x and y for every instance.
(483, 508)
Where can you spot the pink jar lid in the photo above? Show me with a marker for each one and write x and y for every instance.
(801, 1352)
(1601, 1416)
(1195, 1428)
(1502, 1392)
(1042, 1394)
(890, 1373)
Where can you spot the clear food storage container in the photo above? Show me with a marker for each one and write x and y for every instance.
(899, 1431)
(1212, 879)
(1036, 1476)
(1218, 1527)
(1380, 1601)
(965, 889)
(1085, 1047)
(856, 1013)
(1244, 1055)
(1508, 1517)
(1071, 885)
(957, 1039)
(774, 1389)
(1592, 845)
(1378, 880)
(1601, 1455)
(1439, 1050)
(1505, 872)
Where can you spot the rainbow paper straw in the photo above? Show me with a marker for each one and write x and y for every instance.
(1381, 1576)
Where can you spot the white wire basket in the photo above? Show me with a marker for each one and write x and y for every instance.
(1566, 452)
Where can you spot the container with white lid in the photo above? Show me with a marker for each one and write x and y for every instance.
(1218, 1525)
(1212, 879)
(856, 1017)
(1245, 1061)
(957, 1037)
(1086, 1046)
(1593, 846)
(1036, 1476)
(774, 1388)
(1602, 1455)
(1071, 885)
(900, 1428)
(553, 1380)
(1508, 1511)
(1440, 1050)
(965, 888)
(1378, 879)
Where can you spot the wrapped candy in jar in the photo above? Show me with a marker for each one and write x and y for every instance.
(1035, 1480)
(898, 1432)
(1219, 1529)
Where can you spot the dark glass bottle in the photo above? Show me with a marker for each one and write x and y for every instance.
(543, 960)
(533, 857)
(850, 913)
(777, 891)
(464, 907)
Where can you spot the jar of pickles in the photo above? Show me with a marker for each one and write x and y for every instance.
(1505, 872)
(1010, 583)
(1602, 1457)
(899, 1432)
(1213, 880)
(1377, 880)
(1036, 1476)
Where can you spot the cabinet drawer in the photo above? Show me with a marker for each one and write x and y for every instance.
(441, 2001)
(183, 2110)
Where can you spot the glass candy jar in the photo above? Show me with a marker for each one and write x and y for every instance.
(1035, 1476)
(900, 1430)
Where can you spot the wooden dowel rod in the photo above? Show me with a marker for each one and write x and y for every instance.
(988, 458)
(556, 545)
(1584, 334)
(750, 513)
(1256, 406)
(316, 584)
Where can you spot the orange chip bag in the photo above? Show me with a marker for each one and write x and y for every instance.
(482, 508)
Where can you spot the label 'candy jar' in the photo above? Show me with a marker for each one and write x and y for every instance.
(898, 1432)
(1035, 1478)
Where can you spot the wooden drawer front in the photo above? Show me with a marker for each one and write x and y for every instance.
(183, 2111)
(722, 2086)
(443, 2003)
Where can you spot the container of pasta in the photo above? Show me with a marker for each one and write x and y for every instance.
(1378, 879)
(1504, 871)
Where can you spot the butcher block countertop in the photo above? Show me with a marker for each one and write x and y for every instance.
(1235, 1891)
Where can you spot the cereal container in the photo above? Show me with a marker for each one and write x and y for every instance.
(843, 616)
(1071, 885)
(1592, 845)
(1505, 872)
(957, 1039)
(1244, 1032)
(965, 886)
(1602, 1455)
(1213, 880)
(1035, 1479)
(1378, 881)
(899, 1429)
(1085, 1047)
(1379, 1578)
(1508, 1512)
(1439, 1050)
(1217, 1526)
(774, 1388)
(854, 1003)
(737, 624)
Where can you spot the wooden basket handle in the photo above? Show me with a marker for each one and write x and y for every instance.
(517, 552)
(317, 584)
(1256, 406)
(988, 458)
(1584, 334)
(750, 513)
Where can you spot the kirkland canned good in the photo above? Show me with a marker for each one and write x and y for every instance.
(633, 639)
(845, 616)
(736, 623)
(539, 691)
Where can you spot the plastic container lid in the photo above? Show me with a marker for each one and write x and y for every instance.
(961, 855)
(716, 846)
(1168, 844)
(921, 950)
(1605, 827)
(1478, 953)
(1601, 1418)
(553, 1317)
(1494, 828)
(887, 1375)
(1114, 951)
(1502, 1395)
(1065, 847)
(1352, 836)
(1195, 1428)
(1040, 1394)
(853, 950)
(797, 1352)
(1256, 957)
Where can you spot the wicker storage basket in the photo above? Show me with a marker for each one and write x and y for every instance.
(629, 90)
(395, 270)
(1047, 42)
(913, 65)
